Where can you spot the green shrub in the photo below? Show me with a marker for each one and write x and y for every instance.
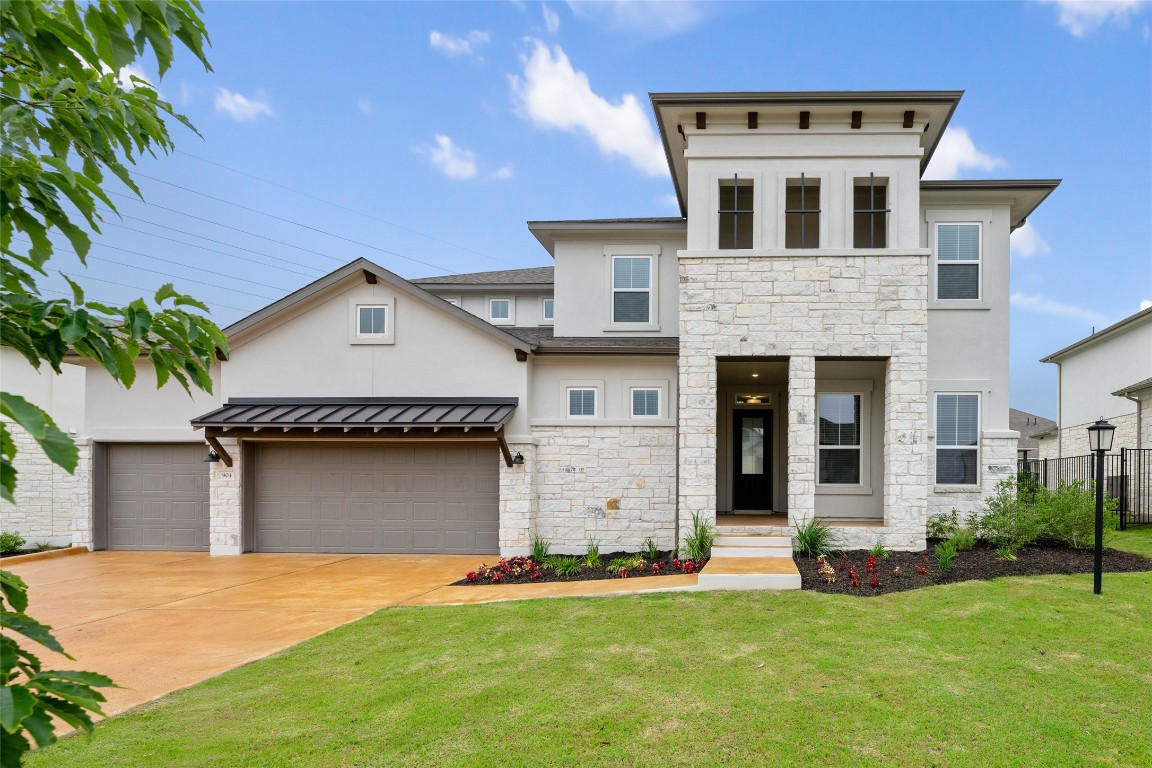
(628, 562)
(592, 555)
(962, 540)
(943, 525)
(567, 566)
(1068, 514)
(649, 550)
(550, 561)
(945, 554)
(812, 538)
(698, 544)
(880, 550)
(1011, 519)
(540, 549)
(11, 542)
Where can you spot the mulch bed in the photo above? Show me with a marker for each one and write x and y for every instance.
(27, 552)
(981, 562)
(667, 568)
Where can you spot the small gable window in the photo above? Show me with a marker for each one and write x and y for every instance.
(373, 320)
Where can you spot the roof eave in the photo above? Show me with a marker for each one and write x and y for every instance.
(1057, 356)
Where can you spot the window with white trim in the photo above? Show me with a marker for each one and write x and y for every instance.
(631, 289)
(958, 261)
(548, 309)
(371, 321)
(452, 300)
(500, 311)
(957, 439)
(645, 402)
(839, 452)
(582, 402)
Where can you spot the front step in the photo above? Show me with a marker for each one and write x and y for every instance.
(752, 546)
(749, 573)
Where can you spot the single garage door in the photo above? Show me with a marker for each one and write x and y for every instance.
(156, 496)
(394, 498)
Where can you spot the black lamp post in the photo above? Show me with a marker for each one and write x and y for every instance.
(1100, 441)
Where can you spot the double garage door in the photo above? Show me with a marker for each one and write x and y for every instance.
(311, 497)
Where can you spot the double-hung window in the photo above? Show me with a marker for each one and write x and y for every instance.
(839, 434)
(736, 213)
(870, 212)
(957, 438)
(582, 402)
(957, 261)
(631, 289)
(802, 213)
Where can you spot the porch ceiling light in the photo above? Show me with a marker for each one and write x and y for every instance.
(755, 375)
(1100, 436)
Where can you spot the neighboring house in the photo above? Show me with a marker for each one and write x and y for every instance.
(1028, 425)
(1106, 375)
(821, 333)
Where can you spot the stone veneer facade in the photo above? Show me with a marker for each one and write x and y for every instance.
(611, 484)
(803, 308)
(1074, 439)
(42, 512)
(226, 502)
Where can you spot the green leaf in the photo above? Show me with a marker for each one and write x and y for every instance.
(39, 724)
(31, 629)
(15, 591)
(16, 703)
(75, 326)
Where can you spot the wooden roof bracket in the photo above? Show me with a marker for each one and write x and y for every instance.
(223, 454)
(504, 448)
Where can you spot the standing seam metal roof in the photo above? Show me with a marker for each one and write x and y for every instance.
(361, 412)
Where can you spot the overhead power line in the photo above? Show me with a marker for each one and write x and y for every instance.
(350, 210)
(294, 223)
(84, 278)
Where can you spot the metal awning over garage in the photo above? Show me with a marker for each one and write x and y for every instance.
(408, 418)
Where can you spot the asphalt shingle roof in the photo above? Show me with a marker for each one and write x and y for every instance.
(527, 276)
(544, 338)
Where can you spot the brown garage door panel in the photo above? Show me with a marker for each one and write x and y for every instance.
(156, 496)
(350, 497)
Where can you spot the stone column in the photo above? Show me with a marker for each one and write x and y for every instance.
(906, 481)
(517, 501)
(226, 495)
(696, 436)
(82, 498)
(801, 444)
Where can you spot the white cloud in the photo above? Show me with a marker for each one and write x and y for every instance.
(503, 172)
(955, 153)
(364, 105)
(459, 46)
(553, 94)
(551, 19)
(1082, 17)
(1046, 306)
(240, 108)
(1026, 241)
(185, 94)
(671, 202)
(451, 159)
(126, 73)
(1146, 304)
(658, 19)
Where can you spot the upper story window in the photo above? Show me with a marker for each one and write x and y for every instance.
(631, 289)
(645, 401)
(372, 320)
(501, 311)
(957, 261)
(870, 212)
(548, 309)
(957, 438)
(581, 401)
(802, 213)
(454, 301)
(736, 213)
(840, 456)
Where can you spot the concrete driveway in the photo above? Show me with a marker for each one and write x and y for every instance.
(156, 622)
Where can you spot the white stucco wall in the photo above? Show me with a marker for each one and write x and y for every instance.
(613, 377)
(1088, 376)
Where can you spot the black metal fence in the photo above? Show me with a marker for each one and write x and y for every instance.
(1127, 478)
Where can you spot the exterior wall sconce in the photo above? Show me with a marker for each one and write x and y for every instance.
(213, 457)
(1100, 437)
(518, 458)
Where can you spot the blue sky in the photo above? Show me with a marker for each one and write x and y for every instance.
(424, 136)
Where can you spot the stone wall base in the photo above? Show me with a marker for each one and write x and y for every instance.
(42, 513)
(997, 462)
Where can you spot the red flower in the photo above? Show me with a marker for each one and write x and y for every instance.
(655, 568)
(876, 582)
(688, 567)
(536, 575)
(623, 573)
(497, 577)
(472, 576)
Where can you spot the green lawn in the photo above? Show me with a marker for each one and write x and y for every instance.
(1022, 671)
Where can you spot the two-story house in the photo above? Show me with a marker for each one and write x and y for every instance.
(821, 333)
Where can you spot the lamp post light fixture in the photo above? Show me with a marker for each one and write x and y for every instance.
(1100, 441)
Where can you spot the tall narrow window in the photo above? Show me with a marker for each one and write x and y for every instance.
(802, 213)
(870, 212)
(581, 402)
(735, 214)
(548, 309)
(957, 261)
(957, 439)
(631, 289)
(839, 449)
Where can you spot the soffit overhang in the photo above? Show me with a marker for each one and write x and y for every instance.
(1022, 196)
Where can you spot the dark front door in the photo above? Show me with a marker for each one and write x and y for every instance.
(752, 464)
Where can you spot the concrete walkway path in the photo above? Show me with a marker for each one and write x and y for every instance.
(156, 622)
